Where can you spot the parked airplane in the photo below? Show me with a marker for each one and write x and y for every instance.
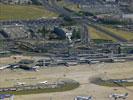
(83, 98)
(21, 83)
(44, 82)
(35, 68)
(94, 62)
(119, 96)
(4, 67)
(119, 81)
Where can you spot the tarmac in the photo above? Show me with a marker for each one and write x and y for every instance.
(80, 73)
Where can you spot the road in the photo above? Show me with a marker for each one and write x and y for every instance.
(60, 9)
(85, 35)
(85, 22)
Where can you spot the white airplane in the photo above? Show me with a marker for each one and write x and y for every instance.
(36, 68)
(44, 82)
(4, 67)
(120, 81)
(94, 62)
(119, 96)
(16, 66)
(54, 17)
(21, 83)
(83, 98)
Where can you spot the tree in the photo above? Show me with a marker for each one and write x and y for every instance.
(43, 31)
(76, 34)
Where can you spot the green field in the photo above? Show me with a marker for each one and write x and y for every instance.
(66, 87)
(124, 34)
(71, 6)
(96, 34)
(10, 12)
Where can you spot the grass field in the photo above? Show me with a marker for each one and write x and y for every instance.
(70, 6)
(95, 34)
(109, 83)
(66, 87)
(9, 12)
(124, 34)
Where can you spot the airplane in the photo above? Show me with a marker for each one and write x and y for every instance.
(21, 83)
(66, 64)
(44, 82)
(13, 66)
(119, 96)
(16, 66)
(4, 67)
(119, 81)
(83, 98)
(4, 96)
(35, 68)
(94, 62)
